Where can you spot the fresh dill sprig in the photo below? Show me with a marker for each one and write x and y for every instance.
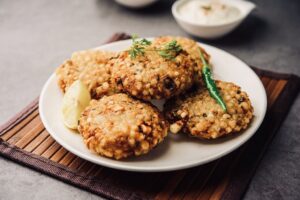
(171, 50)
(138, 46)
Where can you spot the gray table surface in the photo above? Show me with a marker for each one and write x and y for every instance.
(37, 35)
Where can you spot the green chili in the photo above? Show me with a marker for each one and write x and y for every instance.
(210, 83)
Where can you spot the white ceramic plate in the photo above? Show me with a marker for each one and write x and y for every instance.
(177, 151)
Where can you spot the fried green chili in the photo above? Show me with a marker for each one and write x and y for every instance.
(210, 83)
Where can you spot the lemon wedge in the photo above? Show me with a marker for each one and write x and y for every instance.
(76, 98)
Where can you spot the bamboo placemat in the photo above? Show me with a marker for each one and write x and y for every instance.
(24, 139)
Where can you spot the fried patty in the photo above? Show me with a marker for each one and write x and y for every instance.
(190, 46)
(151, 76)
(119, 126)
(92, 68)
(199, 115)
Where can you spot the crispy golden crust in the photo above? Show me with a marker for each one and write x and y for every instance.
(198, 114)
(150, 76)
(92, 68)
(119, 126)
(190, 46)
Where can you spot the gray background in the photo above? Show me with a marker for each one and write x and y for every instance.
(37, 35)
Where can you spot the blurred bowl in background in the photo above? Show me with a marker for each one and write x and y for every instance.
(212, 31)
(135, 3)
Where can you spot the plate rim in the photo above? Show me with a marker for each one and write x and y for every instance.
(155, 168)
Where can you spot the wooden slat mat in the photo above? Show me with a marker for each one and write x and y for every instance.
(25, 140)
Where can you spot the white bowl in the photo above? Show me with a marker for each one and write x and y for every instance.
(135, 3)
(212, 31)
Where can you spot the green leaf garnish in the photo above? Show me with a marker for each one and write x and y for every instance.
(138, 46)
(171, 50)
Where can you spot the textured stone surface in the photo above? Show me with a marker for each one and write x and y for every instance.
(36, 35)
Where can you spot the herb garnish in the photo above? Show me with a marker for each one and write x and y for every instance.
(169, 51)
(138, 46)
(206, 7)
